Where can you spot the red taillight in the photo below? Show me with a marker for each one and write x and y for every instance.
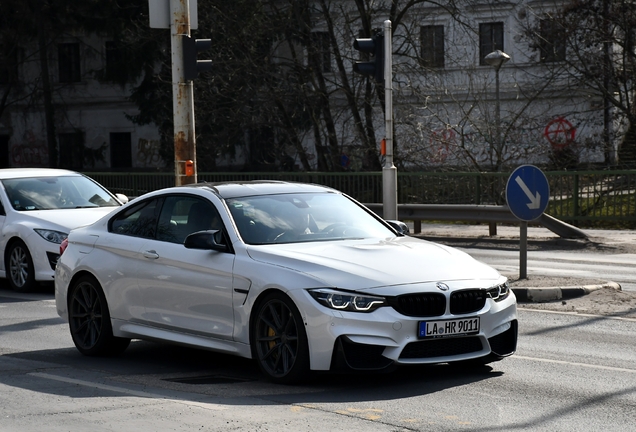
(63, 246)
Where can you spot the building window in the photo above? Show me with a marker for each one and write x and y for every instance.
(630, 41)
(551, 41)
(71, 150)
(120, 150)
(68, 58)
(8, 64)
(115, 63)
(432, 46)
(320, 51)
(4, 151)
(491, 38)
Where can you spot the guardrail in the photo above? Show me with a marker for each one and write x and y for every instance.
(585, 198)
(475, 213)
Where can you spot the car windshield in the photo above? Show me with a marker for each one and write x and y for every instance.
(51, 193)
(310, 217)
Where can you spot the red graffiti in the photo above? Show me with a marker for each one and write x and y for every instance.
(440, 141)
(29, 155)
(559, 132)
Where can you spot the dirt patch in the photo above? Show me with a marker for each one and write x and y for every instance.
(534, 281)
(605, 301)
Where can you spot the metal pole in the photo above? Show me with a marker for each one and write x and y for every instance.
(523, 250)
(182, 96)
(498, 119)
(389, 171)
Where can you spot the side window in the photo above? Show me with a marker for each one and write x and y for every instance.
(138, 221)
(68, 58)
(491, 38)
(432, 46)
(320, 50)
(552, 41)
(184, 215)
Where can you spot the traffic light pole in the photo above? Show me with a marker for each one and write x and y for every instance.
(185, 171)
(389, 171)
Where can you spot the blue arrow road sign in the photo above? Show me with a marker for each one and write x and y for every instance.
(527, 192)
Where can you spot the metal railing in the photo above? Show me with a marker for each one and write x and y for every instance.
(583, 198)
(491, 214)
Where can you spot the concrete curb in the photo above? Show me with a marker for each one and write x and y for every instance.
(542, 295)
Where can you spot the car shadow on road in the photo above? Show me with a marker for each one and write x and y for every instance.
(162, 370)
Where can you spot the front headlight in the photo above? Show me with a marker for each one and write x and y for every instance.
(499, 292)
(52, 236)
(346, 301)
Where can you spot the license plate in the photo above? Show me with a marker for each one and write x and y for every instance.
(456, 327)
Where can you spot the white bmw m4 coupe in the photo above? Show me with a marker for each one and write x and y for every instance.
(298, 277)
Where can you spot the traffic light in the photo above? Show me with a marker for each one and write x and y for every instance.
(375, 47)
(192, 66)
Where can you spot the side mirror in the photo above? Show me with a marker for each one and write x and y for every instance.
(123, 198)
(205, 240)
(399, 226)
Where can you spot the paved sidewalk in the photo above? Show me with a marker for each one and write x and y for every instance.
(612, 237)
(544, 289)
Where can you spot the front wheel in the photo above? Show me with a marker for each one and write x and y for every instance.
(89, 320)
(21, 272)
(279, 341)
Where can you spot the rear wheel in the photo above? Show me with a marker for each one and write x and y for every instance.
(20, 270)
(279, 340)
(89, 320)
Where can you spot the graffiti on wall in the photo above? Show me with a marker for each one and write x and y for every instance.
(559, 132)
(31, 153)
(440, 142)
(148, 153)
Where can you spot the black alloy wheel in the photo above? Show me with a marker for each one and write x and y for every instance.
(20, 270)
(89, 320)
(279, 340)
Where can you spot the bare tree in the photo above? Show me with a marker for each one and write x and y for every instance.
(597, 39)
(30, 31)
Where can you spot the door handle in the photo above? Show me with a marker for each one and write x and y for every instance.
(151, 254)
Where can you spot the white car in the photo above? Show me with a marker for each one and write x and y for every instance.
(299, 277)
(38, 208)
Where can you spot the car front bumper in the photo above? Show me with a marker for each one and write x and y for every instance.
(376, 340)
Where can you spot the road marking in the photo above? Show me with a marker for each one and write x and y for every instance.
(577, 314)
(563, 362)
(130, 392)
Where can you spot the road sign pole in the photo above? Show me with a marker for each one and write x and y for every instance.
(182, 97)
(523, 250)
(527, 195)
(389, 171)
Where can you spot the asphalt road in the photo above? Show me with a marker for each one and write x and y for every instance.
(570, 373)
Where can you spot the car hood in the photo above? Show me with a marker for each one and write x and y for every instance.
(366, 264)
(66, 219)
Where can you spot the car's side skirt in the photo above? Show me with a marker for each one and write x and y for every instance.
(139, 331)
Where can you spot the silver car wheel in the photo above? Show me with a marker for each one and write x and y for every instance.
(20, 266)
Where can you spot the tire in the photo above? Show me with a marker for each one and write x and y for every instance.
(89, 320)
(20, 269)
(279, 341)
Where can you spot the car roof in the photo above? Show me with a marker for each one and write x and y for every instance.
(237, 189)
(11, 173)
